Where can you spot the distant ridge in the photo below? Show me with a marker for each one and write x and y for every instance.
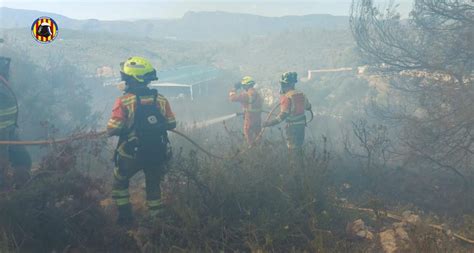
(192, 26)
(15, 18)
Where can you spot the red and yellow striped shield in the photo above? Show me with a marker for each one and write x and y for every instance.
(44, 29)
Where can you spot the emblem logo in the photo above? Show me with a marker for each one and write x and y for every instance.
(44, 30)
(152, 120)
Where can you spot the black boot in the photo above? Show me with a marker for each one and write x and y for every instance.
(125, 216)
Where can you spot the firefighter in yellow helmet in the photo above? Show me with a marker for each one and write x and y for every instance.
(251, 103)
(141, 118)
(293, 104)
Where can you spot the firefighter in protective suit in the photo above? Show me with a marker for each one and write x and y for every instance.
(15, 157)
(141, 118)
(293, 104)
(251, 103)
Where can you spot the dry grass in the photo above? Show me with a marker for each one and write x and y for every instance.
(256, 202)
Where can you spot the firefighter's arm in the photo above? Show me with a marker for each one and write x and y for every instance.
(116, 121)
(236, 97)
(284, 112)
(171, 120)
(277, 120)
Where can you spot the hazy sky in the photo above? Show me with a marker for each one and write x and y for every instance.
(130, 9)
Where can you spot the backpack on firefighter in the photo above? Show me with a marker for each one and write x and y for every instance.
(150, 128)
(147, 138)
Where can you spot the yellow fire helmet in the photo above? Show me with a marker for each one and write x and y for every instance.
(247, 81)
(139, 69)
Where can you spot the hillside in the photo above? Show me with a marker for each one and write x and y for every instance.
(192, 26)
(264, 57)
(15, 18)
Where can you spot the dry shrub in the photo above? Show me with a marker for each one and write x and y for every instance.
(255, 201)
(428, 240)
(59, 210)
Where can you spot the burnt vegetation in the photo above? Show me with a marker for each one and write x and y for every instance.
(428, 61)
(382, 155)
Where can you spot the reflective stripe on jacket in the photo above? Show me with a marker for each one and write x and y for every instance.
(8, 108)
(124, 108)
(294, 103)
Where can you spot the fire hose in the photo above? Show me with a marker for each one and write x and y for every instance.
(95, 135)
(92, 135)
(259, 136)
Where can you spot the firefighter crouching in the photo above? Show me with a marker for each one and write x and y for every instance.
(11, 156)
(251, 103)
(293, 104)
(141, 118)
